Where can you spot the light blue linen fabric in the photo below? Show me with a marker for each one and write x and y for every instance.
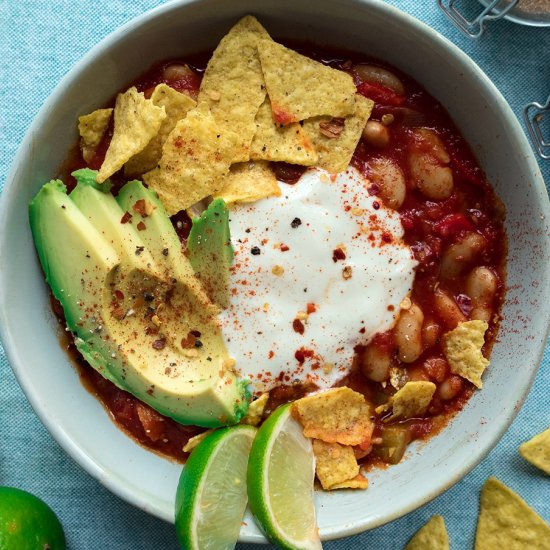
(39, 42)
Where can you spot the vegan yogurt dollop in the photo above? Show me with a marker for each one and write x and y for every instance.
(317, 271)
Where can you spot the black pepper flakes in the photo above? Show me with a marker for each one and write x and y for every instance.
(165, 252)
(139, 250)
(296, 222)
(198, 343)
(255, 250)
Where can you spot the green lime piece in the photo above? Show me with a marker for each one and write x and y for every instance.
(281, 470)
(28, 523)
(211, 496)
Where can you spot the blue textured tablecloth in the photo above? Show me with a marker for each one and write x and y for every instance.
(39, 42)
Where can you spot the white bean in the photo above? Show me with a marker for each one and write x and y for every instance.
(376, 134)
(460, 254)
(449, 388)
(447, 309)
(431, 331)
(177, 71)
(428, 160)
(376, 362)
(432, 179)
(377, 75)
(481, 287)
(431, 143)
(408, 334)
(387, 175)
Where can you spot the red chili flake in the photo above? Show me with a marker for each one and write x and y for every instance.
(338, 254)
(141, 226)
(315, 366)
(196, 333)
(332, 128)
(159, 344)
(391, 308)
(311, 308)
(271, 354)
(139, 207)
(188, 342)
(386, 237)
(119, 295)
(376, 205)
(298, 326)
(126, 217)
(303, 353)
(362, 330)
(284, 248)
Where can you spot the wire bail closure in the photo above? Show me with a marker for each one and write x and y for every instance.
(474, 28)
(533, 113)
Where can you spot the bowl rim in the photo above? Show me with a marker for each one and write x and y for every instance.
(9, 193)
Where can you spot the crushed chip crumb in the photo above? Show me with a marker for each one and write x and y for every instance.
(410, 401)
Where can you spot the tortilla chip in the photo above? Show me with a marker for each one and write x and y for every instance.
(91, 128)
(462, 348)
(195, 440)
(300, 88)
(339, 415)
(506, 521)
(137, 120)
(358, 482)
(195, 159)
(256, 410)
(335, 152)
(176, 105)
(289, 144)
(334, 463)
(233, 84)
(537, 451)
(432, 536)
(249, 182)
(412, 400)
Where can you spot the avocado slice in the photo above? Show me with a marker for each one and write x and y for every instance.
(131, 321)
(210, 252)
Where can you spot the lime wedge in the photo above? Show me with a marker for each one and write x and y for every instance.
(281, 469)
(211, 496)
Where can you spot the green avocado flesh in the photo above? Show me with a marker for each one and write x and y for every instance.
(138, 313)
(210, 252)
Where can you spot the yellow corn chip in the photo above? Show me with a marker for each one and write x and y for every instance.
(410, 401)
(358, 482)
(462, 348)
(256, 410)
(289, 144)
(176, 105)
(233, 84)
(339, 415)
(300, 88)
(249, 182)
(195, 440)
(334, 463)
(506, 522)
(195, 159)
(137, 120)
(432, 536)
(335, 140)
(537, 451)
(91, 129)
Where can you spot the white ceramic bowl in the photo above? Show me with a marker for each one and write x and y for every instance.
(30, 331)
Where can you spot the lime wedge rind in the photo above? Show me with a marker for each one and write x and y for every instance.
(211, 496)
(281, 471)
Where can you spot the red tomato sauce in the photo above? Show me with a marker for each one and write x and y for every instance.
(430, 228)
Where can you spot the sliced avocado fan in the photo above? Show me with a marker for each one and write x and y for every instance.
(138, 313)
(210, 252)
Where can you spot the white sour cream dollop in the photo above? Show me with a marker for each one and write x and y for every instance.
(324, 242)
